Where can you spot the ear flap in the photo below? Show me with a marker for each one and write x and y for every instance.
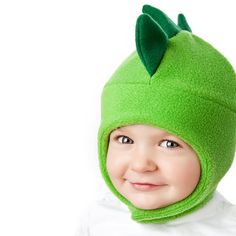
(182, 23)
(170, 28)
(151, 42)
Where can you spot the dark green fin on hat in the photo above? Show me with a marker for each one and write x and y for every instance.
(182, 23)
(153, 30)
(151, 42)
(170, 28)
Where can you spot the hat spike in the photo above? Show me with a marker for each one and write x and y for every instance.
(151, 42)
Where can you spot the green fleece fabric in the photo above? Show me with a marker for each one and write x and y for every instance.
(192, 94)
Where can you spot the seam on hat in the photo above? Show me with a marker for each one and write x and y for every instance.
(182, 87)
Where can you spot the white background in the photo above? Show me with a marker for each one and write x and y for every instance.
(55, 57)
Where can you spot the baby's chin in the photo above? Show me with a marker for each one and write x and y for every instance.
(149, 206)
(148, 202)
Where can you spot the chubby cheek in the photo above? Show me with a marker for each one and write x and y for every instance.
(184, 173)
(116, 166)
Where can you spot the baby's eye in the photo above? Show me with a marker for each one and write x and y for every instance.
(126, 140)
(123, 138)
(170, 143)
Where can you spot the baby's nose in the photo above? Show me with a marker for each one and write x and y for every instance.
(142, 163)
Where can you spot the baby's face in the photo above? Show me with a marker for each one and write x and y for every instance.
(145, 154)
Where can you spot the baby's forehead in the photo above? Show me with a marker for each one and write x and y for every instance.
(142, 128)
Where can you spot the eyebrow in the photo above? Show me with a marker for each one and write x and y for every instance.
(120, 128)
(162, 132)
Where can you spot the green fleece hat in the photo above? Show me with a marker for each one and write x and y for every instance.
(178, 82)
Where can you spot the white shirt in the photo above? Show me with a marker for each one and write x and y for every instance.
(109, 216)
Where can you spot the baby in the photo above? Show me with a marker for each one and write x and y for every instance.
(167, 136)
(151, 167)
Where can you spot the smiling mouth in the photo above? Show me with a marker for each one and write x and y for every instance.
(146, 186)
